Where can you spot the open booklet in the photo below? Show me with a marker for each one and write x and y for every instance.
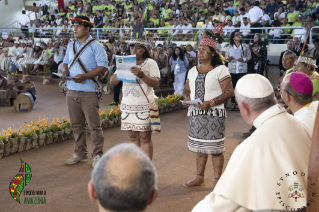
(193, 102)
(123, 66)
(62, 76)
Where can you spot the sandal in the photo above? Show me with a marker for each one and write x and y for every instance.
(232, 108)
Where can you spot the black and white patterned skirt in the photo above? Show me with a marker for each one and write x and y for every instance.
(206, 134)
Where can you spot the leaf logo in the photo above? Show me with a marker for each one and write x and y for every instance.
(21, 180)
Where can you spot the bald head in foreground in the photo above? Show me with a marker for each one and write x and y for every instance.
(270, 167)
(124, 179)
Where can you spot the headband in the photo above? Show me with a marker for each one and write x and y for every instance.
(81, 21)
(307, 60)
(208, 42)
(138, 41)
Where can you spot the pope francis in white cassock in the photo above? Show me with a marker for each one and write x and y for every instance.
(267, 172)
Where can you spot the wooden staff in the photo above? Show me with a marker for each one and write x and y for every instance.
(313, 170)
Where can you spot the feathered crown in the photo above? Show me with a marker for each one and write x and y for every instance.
(139, 29)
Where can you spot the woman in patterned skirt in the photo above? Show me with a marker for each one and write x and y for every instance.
(134, 105)
(211, 83)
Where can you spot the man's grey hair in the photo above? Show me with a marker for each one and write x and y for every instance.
(128, 190)
(292, 55)
(257, 104)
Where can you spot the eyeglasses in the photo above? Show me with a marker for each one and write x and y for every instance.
(237, 35)
(283, 90)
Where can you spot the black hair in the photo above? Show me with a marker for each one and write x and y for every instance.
(23, 11)
(146, 53)
(86, 19)
(300, 6)
(316, 40)
(231, 39)
(227, 12)
(242, 9)
(216, 61)
(257, 3)
(181, 54)
(11, 41)
(34, 4)
(107, 48)
(37, 51)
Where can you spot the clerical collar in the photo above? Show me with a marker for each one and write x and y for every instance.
(267, 112)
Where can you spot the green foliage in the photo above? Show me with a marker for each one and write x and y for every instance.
(3, 140)
(53, 128)
(14, 135)
(65, 126)
(28, 135)
(39, 132)
(103, 116)
(49, 135)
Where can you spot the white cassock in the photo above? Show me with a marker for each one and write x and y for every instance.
(307, 115)
(26, 56)
(255, 178)
(3, 54)
(4, 62)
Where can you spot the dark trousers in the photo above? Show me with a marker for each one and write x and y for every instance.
(234, 80)
(117, 90)
(254, 31)
(25, 30)
(45, 9)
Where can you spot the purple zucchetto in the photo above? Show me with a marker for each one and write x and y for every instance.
(301, 83)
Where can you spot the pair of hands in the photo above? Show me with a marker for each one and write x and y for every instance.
(204, 106)
(77, 79)
(239, 60)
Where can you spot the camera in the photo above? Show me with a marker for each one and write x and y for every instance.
(261, 61)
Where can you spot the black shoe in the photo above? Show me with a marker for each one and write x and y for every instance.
(114, 103)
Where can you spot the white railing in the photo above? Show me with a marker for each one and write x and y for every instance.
(195, 36)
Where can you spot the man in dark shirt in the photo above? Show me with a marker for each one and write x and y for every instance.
(271, 8)
(316, 51)
(98, 21)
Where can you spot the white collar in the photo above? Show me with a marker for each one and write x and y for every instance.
(270, 110)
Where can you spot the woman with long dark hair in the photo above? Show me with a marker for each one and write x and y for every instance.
(37, 51)
(179, 64)
(237, 68)
(137, 96)
(211, 83)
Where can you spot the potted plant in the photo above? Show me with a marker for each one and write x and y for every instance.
(4, 138)
(161, 105)
(41, 135)
(13, 140)
(118, 113)
(110, 116)
(60, 131)
(27, 134)
(66, 128)
(1, 146)
(45, 77)
(54, 131)
(103, 120)
(48, 136)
